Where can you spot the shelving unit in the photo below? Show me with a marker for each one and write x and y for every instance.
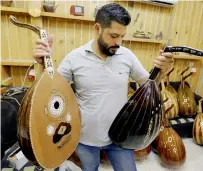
(70, 17)
(45, 14)
(6, 82)
(187, 57)
(128, 38)
(23, 11)
(16, 62)
(80, 18)
(14, 10)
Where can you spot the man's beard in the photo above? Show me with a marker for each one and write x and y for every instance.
(107, 50)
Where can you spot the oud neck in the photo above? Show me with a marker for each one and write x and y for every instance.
(48, 63)
(172, 49)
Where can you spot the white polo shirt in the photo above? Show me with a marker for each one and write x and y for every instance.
(101, 88)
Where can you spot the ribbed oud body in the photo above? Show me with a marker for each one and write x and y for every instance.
(138, 122)
(171, 100)
(142, 154)
(187, 104)
(197, 131)
(172, 90)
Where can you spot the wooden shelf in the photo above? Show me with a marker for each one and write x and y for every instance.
(80, 18)
(46, 14)
(16, 62)
(70, 17)
(187, 57)
(13, 10)
(8, 81)
(128, 38)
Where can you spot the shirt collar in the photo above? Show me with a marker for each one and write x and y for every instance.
(88, 48)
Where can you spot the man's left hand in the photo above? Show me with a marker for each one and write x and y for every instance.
(164, 62)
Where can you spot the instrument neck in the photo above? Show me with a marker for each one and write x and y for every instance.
(172, 49)
(48, 63)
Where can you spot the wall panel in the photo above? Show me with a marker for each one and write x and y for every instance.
(180, 25)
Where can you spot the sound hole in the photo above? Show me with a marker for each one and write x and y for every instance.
(56, 105)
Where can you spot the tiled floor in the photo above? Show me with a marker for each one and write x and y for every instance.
(194, 161)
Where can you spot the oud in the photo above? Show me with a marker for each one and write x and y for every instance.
(138, 122)
(197, 131)
(49, 118)
(186, 98)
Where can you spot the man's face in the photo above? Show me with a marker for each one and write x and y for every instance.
(110, 39)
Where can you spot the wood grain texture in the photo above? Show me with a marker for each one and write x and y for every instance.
(170, 100)
(186, 100)
(181, 25)
(142, 154)
(197, 131)
(36, 115)
(171, 150)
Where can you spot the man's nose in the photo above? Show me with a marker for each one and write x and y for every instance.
(118, 41)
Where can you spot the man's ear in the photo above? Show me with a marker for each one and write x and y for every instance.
(97, 28)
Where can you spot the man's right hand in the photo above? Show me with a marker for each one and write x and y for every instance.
(42, 49)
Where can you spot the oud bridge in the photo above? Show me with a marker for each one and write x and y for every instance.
(64, 141)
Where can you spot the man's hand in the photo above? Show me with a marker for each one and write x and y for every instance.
(42, 49)
(164, 62)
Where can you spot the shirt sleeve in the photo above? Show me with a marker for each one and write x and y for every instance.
(137, 71)
(65, 68)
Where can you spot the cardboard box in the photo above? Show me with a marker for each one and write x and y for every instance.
(17, 159)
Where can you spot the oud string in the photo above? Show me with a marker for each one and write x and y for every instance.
(142, 119)
(152, 131)
(128, 107)
(34, 62)
(141, 92)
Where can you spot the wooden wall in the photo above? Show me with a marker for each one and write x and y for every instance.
(181, 25)
(187, 29)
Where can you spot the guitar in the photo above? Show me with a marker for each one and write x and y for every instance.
(49, 118)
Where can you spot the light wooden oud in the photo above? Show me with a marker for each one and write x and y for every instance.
(142, 154)
(197, 131)
(49, 118)
(170, 99)
(169, 87)
(186, 98)
(170, 147)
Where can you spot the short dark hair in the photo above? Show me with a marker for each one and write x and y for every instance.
(112, 12)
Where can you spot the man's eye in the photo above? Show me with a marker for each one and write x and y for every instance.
(113, 37)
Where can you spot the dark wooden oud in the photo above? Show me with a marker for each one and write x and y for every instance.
(48, 118)
(197, 131)
(138, 122)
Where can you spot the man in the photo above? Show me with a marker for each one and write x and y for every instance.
(100, 70)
